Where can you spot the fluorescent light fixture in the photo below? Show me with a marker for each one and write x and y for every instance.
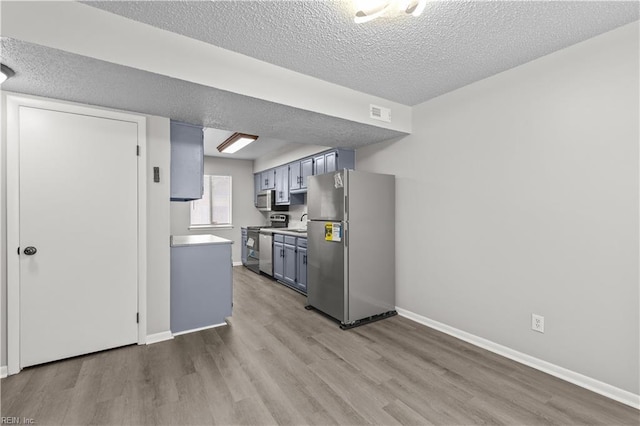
(5, 73)
(236, 142)
(370, 14)
(372, 10)
(417, 8)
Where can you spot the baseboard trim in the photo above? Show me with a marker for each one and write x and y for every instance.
(159, 337)
(3, 372)
(199, 329)
(237, 263)
(593, 385)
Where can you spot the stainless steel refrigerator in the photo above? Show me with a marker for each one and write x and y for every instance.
(351, 246)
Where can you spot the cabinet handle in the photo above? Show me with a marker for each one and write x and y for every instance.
(304, 259)
(281, 253)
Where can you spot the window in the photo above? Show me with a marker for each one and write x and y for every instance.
(214, 209)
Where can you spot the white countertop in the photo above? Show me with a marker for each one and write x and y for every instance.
(191, 240)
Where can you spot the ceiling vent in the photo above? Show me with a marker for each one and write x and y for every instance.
(380, 113)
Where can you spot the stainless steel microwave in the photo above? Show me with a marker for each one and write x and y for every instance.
(266, 202)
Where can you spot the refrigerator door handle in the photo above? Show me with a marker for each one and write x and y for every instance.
(346, 237)
(346, 206)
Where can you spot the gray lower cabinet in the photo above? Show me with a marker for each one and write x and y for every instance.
(301, 260)
(289, 272)
(290, 261)
(201, 282)
(187, 161)
(278, 257)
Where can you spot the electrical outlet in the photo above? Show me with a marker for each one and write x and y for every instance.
(537, 323)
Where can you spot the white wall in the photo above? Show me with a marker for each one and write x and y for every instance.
(519, 194)
(243, 210)
(158, 226)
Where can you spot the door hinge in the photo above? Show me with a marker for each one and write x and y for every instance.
(18, 251)
(138, 150)
(137, 318)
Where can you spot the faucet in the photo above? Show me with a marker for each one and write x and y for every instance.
(302, 217)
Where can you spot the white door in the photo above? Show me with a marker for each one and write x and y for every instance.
(78, 209)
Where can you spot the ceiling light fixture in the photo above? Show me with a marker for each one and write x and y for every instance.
(410, 7)
(5, 73)
(236, 142)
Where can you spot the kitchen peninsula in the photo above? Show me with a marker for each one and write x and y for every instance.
(201, 282)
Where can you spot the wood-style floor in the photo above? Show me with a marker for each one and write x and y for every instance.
(277, 363)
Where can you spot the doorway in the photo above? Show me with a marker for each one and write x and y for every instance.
(76, 223)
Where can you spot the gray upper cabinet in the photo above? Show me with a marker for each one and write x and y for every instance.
(295, 176)
(290, 181)
(187, 161)
(299, 171)
(268, 180)
(330, 162)
(256, 188)
(306, 170)
(318, 165)
(282, 185)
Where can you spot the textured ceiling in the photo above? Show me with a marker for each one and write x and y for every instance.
(401, 58)
(61, 75)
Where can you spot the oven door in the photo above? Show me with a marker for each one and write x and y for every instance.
(253, 250)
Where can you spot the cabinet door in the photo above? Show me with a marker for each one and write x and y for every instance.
(267, 180)
(301, 280)
(318, 165)
(187, 162)
(244, 247)
(306, 170)
(330, 162)
(282, 185)
(295, 176)
(289, 264)
(278, 261)
(256, 188)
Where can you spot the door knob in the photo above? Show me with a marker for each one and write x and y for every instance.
(30, 251)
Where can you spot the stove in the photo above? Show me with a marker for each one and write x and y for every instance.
(255, 240)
